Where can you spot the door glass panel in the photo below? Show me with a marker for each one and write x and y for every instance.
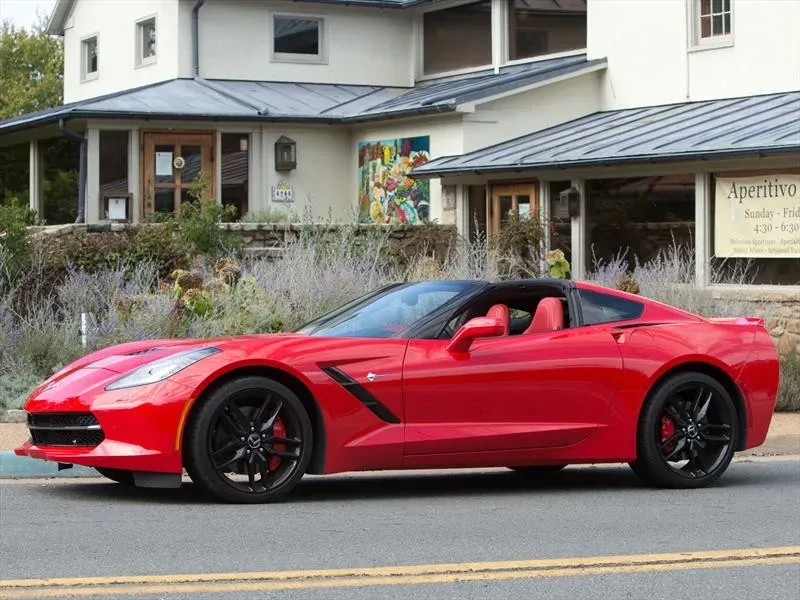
(162, 168)
(165, 200)
(192, 157)
(506, 204)
(186, 196)
(524, 207)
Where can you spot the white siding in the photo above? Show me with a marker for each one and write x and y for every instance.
(364, 46)
(116, 31)
(534, 110)
(647, 44)
(446, 138)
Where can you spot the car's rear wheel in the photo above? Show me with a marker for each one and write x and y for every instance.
(250, 441)
(688, 432)
(119, 475)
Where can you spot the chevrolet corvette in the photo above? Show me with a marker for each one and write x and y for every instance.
(530, 375)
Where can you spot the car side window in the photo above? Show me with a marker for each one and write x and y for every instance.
(603, 308)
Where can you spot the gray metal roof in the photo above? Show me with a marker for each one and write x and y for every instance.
(767, 124)
(309, 102)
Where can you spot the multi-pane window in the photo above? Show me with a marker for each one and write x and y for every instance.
(146, 41)
(89, 66)
(458, 37)
(714, 18)
(298, 38)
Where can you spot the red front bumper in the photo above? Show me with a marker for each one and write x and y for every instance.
(141, 427)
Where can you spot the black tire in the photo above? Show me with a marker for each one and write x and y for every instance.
(119, 475)
(698, 410)
(538, 470)
(235, 426)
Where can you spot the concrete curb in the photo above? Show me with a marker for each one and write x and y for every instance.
(13, 467)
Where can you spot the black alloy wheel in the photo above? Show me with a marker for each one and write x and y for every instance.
(249, 442)
(688, 433)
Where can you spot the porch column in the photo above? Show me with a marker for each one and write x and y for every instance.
(499, 33)
(35, 187)
(579, 233)
(702, 228)
(93, 176)
(263, 194)
(134, 173)
(462, 210)
(544, 219)
(218, 166)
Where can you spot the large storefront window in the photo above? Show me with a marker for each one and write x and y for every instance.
(236, 171)
(457, 38)
(539, 27)
(115, 202)
(60, 162)
(755, 228)
(560, 222)
(638, 218)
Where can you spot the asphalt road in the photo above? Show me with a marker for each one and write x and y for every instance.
(739, 539)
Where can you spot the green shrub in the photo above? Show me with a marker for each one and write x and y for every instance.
(15, 238)
(789, 394)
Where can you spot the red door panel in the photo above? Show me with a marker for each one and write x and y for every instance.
(527, 391)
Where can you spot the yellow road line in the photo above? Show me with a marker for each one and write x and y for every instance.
(408, 575)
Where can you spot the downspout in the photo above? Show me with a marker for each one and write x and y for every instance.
(196, 38)
(81, 218)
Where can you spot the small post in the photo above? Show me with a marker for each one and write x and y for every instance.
(84, 328)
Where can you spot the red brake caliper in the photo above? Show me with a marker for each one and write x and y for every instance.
(667, 429)
(278, 430)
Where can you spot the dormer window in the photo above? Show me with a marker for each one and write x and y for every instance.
(146, 41)
(457, 38)
(89, 64)
(298, 38)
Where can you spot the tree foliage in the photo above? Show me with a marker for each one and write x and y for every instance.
(31, 69)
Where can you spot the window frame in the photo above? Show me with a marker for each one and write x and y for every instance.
(86, 75)
(142, 60)
(321, 58)
(699, 43)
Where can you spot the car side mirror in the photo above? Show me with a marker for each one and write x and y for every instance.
(479, 327)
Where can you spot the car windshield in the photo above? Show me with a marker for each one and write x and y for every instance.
(389, 311)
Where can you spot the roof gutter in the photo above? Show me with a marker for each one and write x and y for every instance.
(62, 127)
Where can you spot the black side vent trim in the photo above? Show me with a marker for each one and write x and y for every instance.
(361, 394)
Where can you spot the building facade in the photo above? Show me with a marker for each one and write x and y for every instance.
(619, 123)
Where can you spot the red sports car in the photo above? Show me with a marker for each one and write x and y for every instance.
(532, 375)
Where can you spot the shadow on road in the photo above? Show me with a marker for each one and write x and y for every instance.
(338, 488)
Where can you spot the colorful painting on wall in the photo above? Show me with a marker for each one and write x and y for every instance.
(386, 193)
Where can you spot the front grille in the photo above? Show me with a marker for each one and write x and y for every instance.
(65, 429)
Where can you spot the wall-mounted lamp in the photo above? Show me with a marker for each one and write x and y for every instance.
(285, 154)
(572, 197)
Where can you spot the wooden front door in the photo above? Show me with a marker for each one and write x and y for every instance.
(171, 163)
(518, 199)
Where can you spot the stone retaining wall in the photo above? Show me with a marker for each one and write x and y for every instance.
(781, 311)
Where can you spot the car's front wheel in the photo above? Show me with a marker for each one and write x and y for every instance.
(250, 441)
(688, 432)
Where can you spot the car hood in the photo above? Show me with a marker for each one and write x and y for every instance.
(124, 358)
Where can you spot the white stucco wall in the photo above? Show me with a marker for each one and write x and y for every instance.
(325, 170)
(116, 31)
(647, 44)
(364, 46)
(446, 138)
(534, 110)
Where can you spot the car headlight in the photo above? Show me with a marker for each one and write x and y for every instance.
(161, 369)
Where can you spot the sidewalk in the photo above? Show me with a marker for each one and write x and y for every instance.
(783, 439)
